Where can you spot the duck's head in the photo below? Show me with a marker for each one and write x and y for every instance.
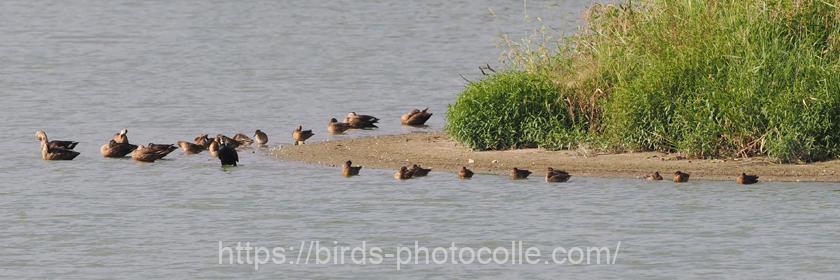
(333, 120)
(348, 163)
(352, 115)
(124, 131)
(40, 135)
(403, 169)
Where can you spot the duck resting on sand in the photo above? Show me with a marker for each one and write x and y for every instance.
(243, 139)
(301, 135)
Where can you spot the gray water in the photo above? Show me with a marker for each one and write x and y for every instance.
(168, 70)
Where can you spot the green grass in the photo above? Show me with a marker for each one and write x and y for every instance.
(705, 78)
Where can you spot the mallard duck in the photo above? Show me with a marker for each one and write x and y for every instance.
(556, 176)
(402, 174)
(680, 177)
(465, 173)
(227, 153)
(417, 171)
(260, 137)
(301, 135)
(745, 179)
(190, 148)
(654, 176)
(56, 150)
(122, 136)
(213, 148)
(517, 173)
(69, 145)
(148, 154)
(361, 121)
(243, 140)
(203, 140)
(335, 127)
(415, 117)
(116, 150)
(349, 170)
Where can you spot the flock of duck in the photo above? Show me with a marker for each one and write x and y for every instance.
(225, 149)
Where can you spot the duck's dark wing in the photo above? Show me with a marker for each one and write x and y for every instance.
(63, 144)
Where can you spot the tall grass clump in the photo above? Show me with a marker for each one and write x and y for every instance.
(705, 78)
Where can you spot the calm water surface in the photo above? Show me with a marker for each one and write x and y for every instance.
(169, 70)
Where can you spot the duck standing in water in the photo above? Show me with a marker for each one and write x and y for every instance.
(301, 135)
(556, 176)
(415, 117)
(56, 150)
(517, 173)
(417, 171)
(335, 127)
(403, 174)
(349, 170)
(116, 150)
(67, 145)
(745, 179)
(680, 177)
(465, 173)
(227, 154)
(148, 154)
(654, 177)
(361, 121)
(260, 137)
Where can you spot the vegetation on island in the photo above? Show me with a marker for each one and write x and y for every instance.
(704, 78)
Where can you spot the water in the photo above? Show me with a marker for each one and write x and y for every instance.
(170, 70)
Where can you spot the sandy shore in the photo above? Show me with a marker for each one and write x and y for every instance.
(437, 151)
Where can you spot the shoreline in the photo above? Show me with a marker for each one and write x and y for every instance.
(437, 151)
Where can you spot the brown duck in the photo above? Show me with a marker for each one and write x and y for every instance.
(335, 127)
(121, 137)
(745, 179)
(148, 154)
(260, 137)
(556, 176)
(58, 152)
(116, 150)
(361, 121)
(203, 140)
(243, 140)
(465, 173)
(415, 117)
(349, 170)
(213, 147)
(163, 149)
(417, 171)
(301, 135)
(190, 148)
(69, 145)
(517, 173)
(680, 177)
(654, 176)
(402, 174)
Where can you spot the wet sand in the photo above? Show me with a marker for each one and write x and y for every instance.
(437, 151)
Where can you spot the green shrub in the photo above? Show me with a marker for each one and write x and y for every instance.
(705, 78)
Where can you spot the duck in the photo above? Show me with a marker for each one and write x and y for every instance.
(121, 137)
(416, 117)
(203, 140)
(745, 179)
(230, 141)
(148, 154)
(116, 150)
(556, 176)
(69, 145)
(402, 174)
(58, 151)
(653, 176)
(227, 153)
(680, 177)
(417, 171)
(349, 170)
(260, 137)
(301, 135)
(335, 127)
(243, 140)
(190, 148)
(361, 121)
(213, 147)
(465, 173)
(517, 173)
